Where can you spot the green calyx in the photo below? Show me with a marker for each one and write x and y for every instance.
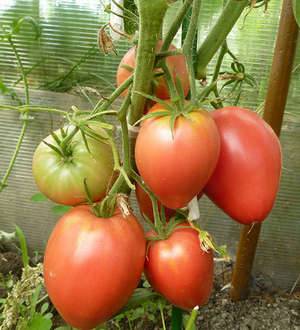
(107, 207)
(170, 109)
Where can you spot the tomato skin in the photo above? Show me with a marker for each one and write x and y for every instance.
(92, 265)
(179, 269)
(177, 168)
(62, 180)
(176, 64)
(246, 180)
(145, 204)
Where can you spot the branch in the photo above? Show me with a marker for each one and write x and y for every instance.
(218, 34)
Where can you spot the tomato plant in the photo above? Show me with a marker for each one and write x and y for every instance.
(176, 164)
(92, 265)
(176, 64)
(60, 174)
(179, 269)
(246, 179)
(145, 204)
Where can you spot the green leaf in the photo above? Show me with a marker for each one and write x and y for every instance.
(39, 322)
(23, 245)
(139, 296)
(44, 308)
(296, 9)
(39, 197)
(60, 209)
(34, 300)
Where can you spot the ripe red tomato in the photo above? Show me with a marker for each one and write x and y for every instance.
(179, 269)
(92, 265)
(61, 178)
(176, 64)
(145, 204)
(246, 180)
(176, 168)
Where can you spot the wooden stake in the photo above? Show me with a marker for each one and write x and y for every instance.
(273, 114)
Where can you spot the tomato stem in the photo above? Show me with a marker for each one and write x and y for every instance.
(151, 15)
(192, 319)
(104, 104)
(176, 320)
(188, 45)
(3, 182)
(142, 184)
(218, 34)
(173, 29)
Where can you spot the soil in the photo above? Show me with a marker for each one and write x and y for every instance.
(262, 310)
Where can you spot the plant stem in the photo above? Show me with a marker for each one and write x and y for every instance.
(3, 182)
(141, 183)
(119, 185)
(176, 321)
(191, 322)
(170, 82)
(169, 53)
(162, 317)
(23, 73)
(173, 29)
(188, 46)
(218, 34)
(103, 106)
(151, 15)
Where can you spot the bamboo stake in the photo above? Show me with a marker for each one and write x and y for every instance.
(273, 114)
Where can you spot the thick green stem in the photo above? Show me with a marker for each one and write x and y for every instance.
(218, 34)
(188, 46)
(176, 321)
(173, 29)
(151, 15)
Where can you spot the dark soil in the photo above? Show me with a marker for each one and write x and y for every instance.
(11, 262)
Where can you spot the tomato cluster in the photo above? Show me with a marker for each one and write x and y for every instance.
(94, 261)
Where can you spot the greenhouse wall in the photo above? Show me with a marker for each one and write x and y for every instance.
(66, 61)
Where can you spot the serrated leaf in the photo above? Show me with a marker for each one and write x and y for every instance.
(39, 197)
(296, 9)
(39, 322)
(60, 209)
